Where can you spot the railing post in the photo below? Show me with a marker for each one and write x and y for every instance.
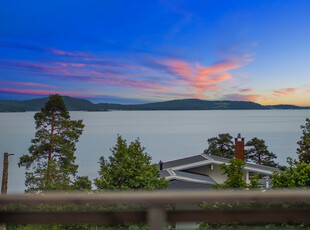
(4, 187)
(156, 218)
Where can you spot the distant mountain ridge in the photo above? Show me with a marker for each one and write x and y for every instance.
(76, 104)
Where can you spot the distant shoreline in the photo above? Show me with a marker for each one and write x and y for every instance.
(76, 104)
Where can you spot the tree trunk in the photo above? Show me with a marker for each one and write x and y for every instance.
(50, 150)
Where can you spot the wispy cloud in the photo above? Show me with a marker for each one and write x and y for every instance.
(30, 84)
(43, 92)
(242, 97)
(199, 78)
(141, 74)
(283, 92)
(247, 90)
(42, 49)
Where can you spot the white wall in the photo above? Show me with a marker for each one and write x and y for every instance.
(215, 173)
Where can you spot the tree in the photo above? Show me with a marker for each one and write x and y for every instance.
(303, 150)
(259, 153)
(235, 176)
(222, 146)
(129, 168)
(294, 176)
(50, 162)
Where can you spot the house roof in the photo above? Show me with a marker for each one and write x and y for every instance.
(183, 161)
(171, 175)
(204, 159)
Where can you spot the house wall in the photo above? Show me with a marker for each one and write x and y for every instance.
(215, 173)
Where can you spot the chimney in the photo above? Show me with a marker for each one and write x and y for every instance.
(161, 164)
(239, 147)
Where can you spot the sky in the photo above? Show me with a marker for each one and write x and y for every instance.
(145, 51)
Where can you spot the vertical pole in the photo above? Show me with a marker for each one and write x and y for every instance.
(247, 177)
(267, 181)
(156, 218)
(4, 187)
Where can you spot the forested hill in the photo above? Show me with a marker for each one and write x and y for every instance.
(75, 104)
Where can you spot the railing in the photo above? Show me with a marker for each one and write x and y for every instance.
(156, 208)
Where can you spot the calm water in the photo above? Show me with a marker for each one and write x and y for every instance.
(167, 135)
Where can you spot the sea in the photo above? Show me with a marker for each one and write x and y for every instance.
(166, 135)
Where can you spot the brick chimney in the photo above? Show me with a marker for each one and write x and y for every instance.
(239, 147)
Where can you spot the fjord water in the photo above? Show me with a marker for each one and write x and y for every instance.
(166, 135)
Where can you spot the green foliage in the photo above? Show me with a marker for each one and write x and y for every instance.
(303, 150)
(129, 168)
(50, 162)
(222, 146)
(259, 153)
(82, 183)
(235, 176)
(294, 176)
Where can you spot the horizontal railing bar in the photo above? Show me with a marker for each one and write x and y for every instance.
(92, 217)
(157, 198)
(242, 216)
(246, 216)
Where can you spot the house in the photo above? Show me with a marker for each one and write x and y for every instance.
(202, 171)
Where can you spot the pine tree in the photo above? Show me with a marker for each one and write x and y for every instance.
(258, 153)
(50, 162)
(129, 168)
(303, 150)
(222, 146)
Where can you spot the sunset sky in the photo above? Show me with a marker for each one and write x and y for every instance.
(143, 51)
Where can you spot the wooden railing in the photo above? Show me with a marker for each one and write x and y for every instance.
(155, 208)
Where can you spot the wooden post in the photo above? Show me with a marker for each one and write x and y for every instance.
(156, 218)
(4, 188)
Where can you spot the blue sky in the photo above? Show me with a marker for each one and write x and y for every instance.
(143, 51)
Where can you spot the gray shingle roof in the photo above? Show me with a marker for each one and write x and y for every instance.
(216, 158)
(226, 160)
(164, 173)
(183, 161)
(195, 176)
(186, 176)
(204, 157)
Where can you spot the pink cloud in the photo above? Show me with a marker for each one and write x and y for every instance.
(31, 84)
(192, 78)
(65, 64)
(242, 97)
(179, 67)
(43, 49)
(283, 92)
(201, 78)
(66, 53)
(42, 92)
(248, 90)
(87, 75)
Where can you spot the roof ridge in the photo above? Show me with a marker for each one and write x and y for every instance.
(206, 156)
